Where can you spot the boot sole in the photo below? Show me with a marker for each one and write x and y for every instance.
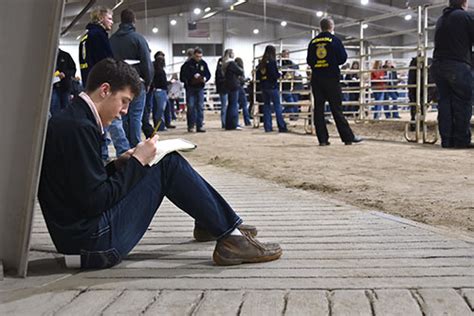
(221, 261)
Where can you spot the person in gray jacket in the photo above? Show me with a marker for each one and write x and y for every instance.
(129, 45)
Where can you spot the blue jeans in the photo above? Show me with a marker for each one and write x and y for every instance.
(244, 105)
(121, 227)
(159, 105)
(59, 100)
(453, 80)
(377, 108)
(132, 121)
(223, 99)
(394, 96)
(117, 135)
(232, 117)
(271, 96)
(195, 107)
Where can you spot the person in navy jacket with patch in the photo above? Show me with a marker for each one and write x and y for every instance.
(325, 53)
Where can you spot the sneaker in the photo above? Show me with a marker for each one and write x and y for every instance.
(239, 128)
(190, 129)
(200, 130)
(357, 139)
(325, 144)
(233, 250)
(202, 235)
(170, 126)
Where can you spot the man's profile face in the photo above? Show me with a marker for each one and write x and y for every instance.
(197, 56)
(115, 104)
(107, 21)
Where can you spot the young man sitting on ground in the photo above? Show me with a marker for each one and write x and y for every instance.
(102, 212)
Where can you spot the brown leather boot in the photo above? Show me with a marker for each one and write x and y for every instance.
(203, 235)
(234, 250)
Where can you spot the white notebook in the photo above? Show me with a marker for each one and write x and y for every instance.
(167, 146)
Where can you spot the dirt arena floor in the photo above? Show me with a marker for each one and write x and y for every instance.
(424, 183)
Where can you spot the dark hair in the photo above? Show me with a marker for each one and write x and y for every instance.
(269, 54)
(127, 16)
(197, 50)
(239, 62)
(326, 24)
(159, 54)
(456, 3)
(159, 63)
(118, 74)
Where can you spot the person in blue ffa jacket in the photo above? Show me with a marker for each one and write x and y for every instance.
(195, 74)
(325, 54)
(268, 75)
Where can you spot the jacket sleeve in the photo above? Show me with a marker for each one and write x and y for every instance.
(236, 69)
(87, 178)
(145, 65)
(311, 57)
(273, 70)
(183, 76)
(341, 54)
(207, 73)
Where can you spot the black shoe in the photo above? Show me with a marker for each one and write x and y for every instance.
(190, 129)
(467, 146)
(170, 126)
(325, 144)
(200, 130)
(356, 139)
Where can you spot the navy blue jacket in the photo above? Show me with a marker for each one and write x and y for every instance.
(93, 47)
(189, 69)
(454, 36)
(66, 65)
(128, 44)
(75, 187)
(325, 53)
(268, 75)
(220, 78)
(232, 76)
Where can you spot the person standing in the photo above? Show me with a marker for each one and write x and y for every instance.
(160, 86)
(454, 37)
(127, 44)
(195, 74)
(391, 93)
(268, 75)
(288, 72)
(232, 84)
(93, 47)
(325, 53)
(242, 95)
(62, 90)
(221, 90)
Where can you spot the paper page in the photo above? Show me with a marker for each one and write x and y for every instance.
(167, 146)
(132, 61)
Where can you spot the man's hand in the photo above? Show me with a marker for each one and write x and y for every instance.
(62, 75)
(121, 161)
(146, 150)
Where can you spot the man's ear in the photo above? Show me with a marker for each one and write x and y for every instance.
(105, 89)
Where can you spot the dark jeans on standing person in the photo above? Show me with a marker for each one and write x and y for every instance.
(328, 89)
(132, 121)
(232, 114)
(121, 227)
(453, 80)
(195, 107)
(272, 96)
(223, 97)
(147, 128)
(244, 105)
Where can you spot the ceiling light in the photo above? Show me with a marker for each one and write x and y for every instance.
(256, 31)
(209, 14)
(173, 22)
(364, 2)
(154, 29)
(197, 11)
(319, 14)
(283, 23)
(207, 9)
(408, 17)
(365, 25)
(239, 2)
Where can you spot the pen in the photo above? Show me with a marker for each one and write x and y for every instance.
(156, 129)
